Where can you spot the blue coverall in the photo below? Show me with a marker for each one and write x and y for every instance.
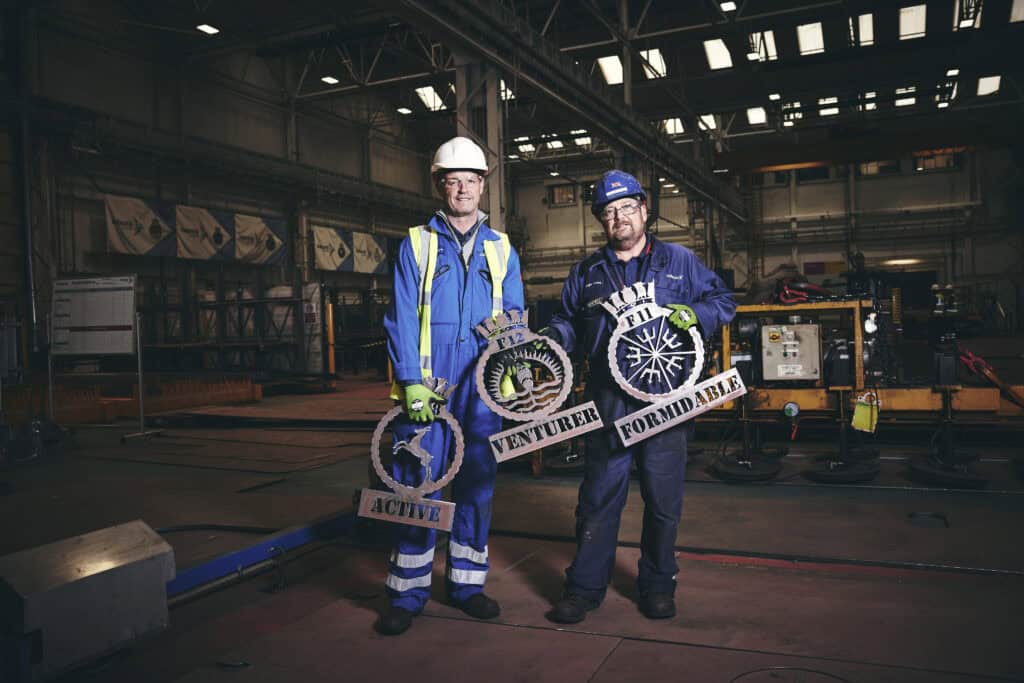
(584, 326)
(460, 300)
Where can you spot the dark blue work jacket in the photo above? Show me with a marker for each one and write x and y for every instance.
(678, 275)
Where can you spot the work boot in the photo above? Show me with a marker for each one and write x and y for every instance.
(658, 605)
(479, 606)
(394, 622)
(571, 609)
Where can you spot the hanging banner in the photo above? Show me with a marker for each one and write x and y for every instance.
(333, 248)
(136, 226)
(204, 234)
(370, 254)
(260, 240)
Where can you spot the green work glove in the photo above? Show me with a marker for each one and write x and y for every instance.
(507, 387)
(682, 316)
(417, 403)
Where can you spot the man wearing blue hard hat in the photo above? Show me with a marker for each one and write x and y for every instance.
(697, 297)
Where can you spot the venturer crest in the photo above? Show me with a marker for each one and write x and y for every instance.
(649, 357)
(525, 377)
(521, 375)
(409, 504)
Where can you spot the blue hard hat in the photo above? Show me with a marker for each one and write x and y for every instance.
(615, 184)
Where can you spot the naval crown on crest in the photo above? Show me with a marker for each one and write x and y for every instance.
(502, 323)
(624, 300)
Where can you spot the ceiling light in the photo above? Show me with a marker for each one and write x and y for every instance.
(330, 80)
(553, 174)
(717, 53)
(431, 100)
(720, 170)
(966, 23)
(669, 185)
(951, 73)
(404, 111)
(660, 179)
(901, 262)
(673, 126)
(943, 104)
(512, 156)
(707, 121)
(787, 124)
(655, 66)
(810, 38)
(774, 97)
(611, 68)
(583, 141)
(756, 115)
(555, 144)
(526, 148)
(913, 21)
(675, 191)
(728, 6)
(208, 30)
(988, 85)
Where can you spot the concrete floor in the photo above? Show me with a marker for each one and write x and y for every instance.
(789, 581)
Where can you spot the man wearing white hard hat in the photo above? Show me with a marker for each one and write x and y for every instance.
(451, 274)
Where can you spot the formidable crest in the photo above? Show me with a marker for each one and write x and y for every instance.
(649, 357)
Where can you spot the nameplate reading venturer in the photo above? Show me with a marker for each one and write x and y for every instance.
(433, 514)
(549, 430)
(684, 406)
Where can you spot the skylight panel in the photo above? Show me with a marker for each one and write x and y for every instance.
(330, 80)
(525, 147)
(966, 14)
(828, 106)
(905, 96)
(868, 101)
(506, 92)
(404, 111)
(810, 38)
(581, 139)
(774, 97)
(655, 66)
(756, 116)
(673, 126)
(611, 69)
(717, 54)
(790, 113)
(988, 85)
(762, 46)
(912, 21)
(707, 122)
(865, 35)
(555, 144)
(1017, 11)
(430, 99)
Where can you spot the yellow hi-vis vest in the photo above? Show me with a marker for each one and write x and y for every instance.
(424, 248)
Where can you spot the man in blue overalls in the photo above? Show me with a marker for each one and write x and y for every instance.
(451, 274)
(695, 293)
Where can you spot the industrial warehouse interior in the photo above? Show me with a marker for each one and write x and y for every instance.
(209, 215)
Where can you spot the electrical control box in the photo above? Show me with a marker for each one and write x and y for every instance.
(791, 353)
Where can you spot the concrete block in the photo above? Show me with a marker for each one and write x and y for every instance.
(88, 595)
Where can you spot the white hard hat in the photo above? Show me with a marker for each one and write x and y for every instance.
(459, 154)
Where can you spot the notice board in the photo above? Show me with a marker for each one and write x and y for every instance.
(93, 316)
